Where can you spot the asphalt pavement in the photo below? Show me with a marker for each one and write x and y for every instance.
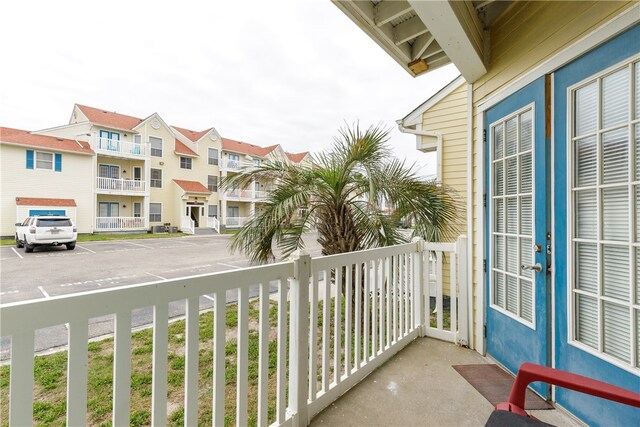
(49, 272)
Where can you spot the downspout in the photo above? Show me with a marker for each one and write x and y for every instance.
(470, 236)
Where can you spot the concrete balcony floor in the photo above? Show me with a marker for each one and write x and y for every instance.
(418, 387)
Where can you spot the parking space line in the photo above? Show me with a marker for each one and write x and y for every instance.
(142, 246)
(186, 243)
(45, 293)
(208, 297)
(16, 252)
(86, 249)
(229, 265)
(155, 275)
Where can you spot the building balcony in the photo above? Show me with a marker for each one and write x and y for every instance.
(121, 186)
(234, 165)
(117, 148)
(119, 223)
(245, 195)
(236, 221)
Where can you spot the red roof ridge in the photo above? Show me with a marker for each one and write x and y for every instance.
(40, 201)
(296, 157)
(182, 148)
(109, 118)
(192, 186)
(25, 137)
(246, 148)
(192, 134)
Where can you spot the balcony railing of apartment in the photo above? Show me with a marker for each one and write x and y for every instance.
(261, 194)
(248, 195)
(338, 318)
(234, 165)
(236, 221)
(121, 185)
(117, 147)
(119, 223)
(237, 193)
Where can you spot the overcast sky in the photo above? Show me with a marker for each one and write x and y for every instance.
(264, 72)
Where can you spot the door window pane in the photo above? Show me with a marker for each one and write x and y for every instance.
(586, 161)
(615, 98)
(586, 107)
(615, 156)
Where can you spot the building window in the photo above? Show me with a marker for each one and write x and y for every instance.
(156, 178)
(137, 209)
(605, 232)
(155, 212)
(213, 156)
(256, 162)
(47, 161)
(44, 160)
(234, 161)
(156, 146)
(213, 211)
(512, 207)
(185, 162)
(212, 183)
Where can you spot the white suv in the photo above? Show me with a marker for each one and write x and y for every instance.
(47, 230)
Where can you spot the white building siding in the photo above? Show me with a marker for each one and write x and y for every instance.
(74, 181)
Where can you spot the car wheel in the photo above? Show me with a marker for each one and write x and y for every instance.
(71, 246)
(28, 248)
(18, 242)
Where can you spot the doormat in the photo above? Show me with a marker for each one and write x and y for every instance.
(494, 383)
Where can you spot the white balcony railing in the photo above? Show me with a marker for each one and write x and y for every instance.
(119, 223)
(338, 318)
(234, 165)
(121, 185)
(117, 147)
(236, 221)
(261, 194)
(247, 195)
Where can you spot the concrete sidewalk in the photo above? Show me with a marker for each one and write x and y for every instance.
(418, 387)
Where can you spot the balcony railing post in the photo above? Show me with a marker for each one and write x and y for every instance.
(299, 340)
(419, 286)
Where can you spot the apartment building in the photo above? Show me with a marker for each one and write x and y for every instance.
(123, 173)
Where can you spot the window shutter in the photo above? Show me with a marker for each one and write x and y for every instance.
(58, 162)
(29, 159)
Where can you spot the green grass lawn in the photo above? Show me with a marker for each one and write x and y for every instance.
(103, 237)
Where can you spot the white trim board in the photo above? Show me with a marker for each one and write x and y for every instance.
(415, 116)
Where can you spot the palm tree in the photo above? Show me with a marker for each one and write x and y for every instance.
(342, 195)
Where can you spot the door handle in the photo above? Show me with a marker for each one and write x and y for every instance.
(536, 267)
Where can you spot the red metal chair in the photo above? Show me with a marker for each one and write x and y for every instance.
(512, 412)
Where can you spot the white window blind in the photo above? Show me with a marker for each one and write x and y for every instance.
(512, 215)
(606, 207)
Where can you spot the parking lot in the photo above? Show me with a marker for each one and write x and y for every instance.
(50, 272)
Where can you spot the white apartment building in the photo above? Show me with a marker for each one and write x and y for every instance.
(113, 172)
